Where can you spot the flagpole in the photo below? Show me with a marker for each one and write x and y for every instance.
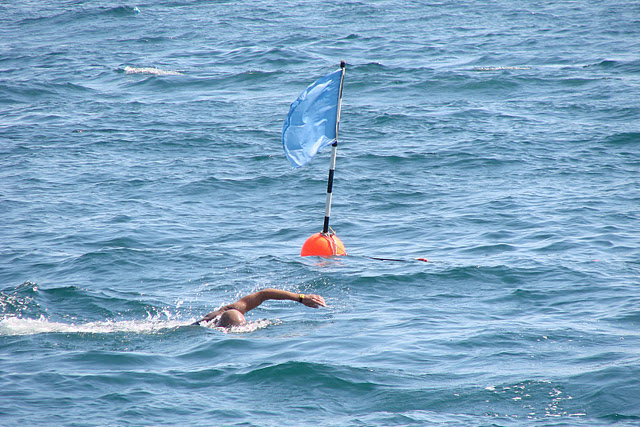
(332, 163)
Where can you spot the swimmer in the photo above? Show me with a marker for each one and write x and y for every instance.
(233, 314)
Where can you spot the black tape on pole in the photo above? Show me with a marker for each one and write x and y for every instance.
(332, 166)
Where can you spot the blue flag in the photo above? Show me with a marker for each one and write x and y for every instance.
(312, 120)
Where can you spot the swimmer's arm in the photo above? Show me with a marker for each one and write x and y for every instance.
(209, 316)
(253, 300)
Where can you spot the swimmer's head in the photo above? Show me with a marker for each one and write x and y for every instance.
(231, 318)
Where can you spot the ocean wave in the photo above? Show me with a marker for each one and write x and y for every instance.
(73, 15)
(272, 57)
(121, 11)
(343, 378)
(632, 66)
(151, 70)
(609, 391)
(505, 68)
(623, 138)
(24, 92)
(56, 306)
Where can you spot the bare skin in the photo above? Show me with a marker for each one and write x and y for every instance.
(233, 314)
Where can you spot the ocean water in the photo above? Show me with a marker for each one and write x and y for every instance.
(143, 184)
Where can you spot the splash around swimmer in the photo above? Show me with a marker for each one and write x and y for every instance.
(233, 314)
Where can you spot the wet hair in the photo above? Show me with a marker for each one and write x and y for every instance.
(231, 318)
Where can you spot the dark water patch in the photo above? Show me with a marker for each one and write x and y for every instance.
(576, 82)
(200, 378)
(395, 160)
(607, 393)
(522, 295)
(621, 418)
(271, 57)
(150, 40)
(103, 260)
(491, 274)
(150, 78)
(389, 119)
(79, 14)
(623, 139)
(557, 247)
(125, 361)
(502, 339)
(491, 249)
(491, 84)
(603, 358)
(628, 66)
(628, 315)
(228, 185)
(341, 380)
(23, 92)
(220, 348)
(390, 279)
(119, 242)
(158, 82)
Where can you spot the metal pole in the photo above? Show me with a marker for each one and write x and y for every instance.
(332, 164)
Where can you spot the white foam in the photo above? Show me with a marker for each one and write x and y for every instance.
(250, 326)
(500, 68)
(150, 70)
(12, 326)
(18, 326)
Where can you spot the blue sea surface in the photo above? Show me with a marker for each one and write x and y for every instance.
(143, 184)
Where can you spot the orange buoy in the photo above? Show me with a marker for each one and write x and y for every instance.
(323, 244)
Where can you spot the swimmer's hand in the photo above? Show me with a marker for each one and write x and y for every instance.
(209, 317)
(313, 301)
